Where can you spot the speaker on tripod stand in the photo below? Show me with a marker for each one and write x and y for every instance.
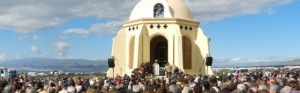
(209, 61)
(111, 62)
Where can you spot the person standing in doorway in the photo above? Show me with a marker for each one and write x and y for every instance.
(155, 68)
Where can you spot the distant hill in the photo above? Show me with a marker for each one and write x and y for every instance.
(50, 64)
(292, 62)
(243, 64)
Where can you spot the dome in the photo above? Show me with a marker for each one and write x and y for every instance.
(172, 9)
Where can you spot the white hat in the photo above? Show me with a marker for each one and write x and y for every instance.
(92, 82)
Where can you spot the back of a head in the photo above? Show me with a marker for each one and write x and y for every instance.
(58, 88)
(51, 90)
(241, 87)
(71, 82)
(46, 87)
(206, 84)
(197, 88)
(251, 91)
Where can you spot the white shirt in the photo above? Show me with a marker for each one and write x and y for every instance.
(136, 88)
(63, 91)
(71, 89)
(185, 90)
(142, 86)
(241, 87)
(286, 89)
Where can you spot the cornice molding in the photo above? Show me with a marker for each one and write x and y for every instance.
(160, 21)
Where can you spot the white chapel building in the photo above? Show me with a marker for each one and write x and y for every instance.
(162, 31)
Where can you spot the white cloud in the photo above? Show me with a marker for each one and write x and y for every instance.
(60, 48)
(251, 60)
(102, 28)
(78, 31)
(36, 37)
(24, 37)
(212, 10)
(18, 56)
(62, 37)
(34, 48)
(110, 27)
(20, 37)
(32, 15)
(3, 57)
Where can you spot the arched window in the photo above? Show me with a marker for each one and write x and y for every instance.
(187, 53)
(131, 53)
(158, 10)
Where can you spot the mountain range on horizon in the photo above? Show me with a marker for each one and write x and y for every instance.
(82, 65)
(257, 63)
(50, 64)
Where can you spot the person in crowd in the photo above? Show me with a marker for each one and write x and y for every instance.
(185, 89)
(10, 88)
(206, 87)
(295, 86)
(118, 79)
(274, 87)
(58, 88)
(286, 88)
(45, 89)
(135, 87)
(197, 88)
(168, 70)
(64, 88)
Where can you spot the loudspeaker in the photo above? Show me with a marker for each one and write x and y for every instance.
(111, 63)
(209, 61)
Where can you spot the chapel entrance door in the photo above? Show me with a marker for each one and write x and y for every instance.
(159, 50)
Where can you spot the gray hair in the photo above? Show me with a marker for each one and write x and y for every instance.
(10, 88)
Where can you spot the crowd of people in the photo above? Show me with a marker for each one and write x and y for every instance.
(142, 80)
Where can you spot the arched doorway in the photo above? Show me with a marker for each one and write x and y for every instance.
(159, 50)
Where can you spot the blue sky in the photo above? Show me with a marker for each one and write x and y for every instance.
(250, 30)
(257, 35)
